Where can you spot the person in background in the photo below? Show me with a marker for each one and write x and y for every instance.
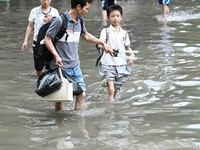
(165, 7)
(65, 52)
(105, 4)
(113, 69)
(36, 20)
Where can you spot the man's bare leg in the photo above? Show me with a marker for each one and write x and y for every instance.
(58, 106)
(80, 101)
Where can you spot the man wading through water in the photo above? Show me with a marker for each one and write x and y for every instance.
(65, 52)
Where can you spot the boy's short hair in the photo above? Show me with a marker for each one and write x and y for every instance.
(82, 3)
(113, 8)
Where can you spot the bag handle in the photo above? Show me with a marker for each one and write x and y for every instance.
(61, 75)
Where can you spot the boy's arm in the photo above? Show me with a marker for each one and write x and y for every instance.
(27, 35)
(49, 44)
(89, 37)
(131, 55)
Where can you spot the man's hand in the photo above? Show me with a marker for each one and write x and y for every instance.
(107, 48)
(58, 61)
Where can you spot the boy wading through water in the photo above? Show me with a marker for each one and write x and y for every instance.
(114, 68)
(65, 52)
(36, 20)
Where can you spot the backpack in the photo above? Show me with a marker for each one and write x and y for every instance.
(41, 52)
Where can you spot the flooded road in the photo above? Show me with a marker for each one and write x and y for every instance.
(157, 109)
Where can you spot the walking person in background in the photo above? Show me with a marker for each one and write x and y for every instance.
(105, 4)
(165, 7)
(36, 20)
(65, 52)
(114, 68)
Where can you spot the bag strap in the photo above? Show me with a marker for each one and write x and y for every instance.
(61, 75)
(99, 58)
(62, 29)
(107, 35)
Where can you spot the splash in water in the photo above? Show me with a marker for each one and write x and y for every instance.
(179, 16)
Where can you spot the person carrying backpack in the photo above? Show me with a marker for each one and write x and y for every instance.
(65, 51)
(36, 20)
(113, 70)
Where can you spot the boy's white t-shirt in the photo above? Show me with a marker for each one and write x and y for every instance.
(37, 16)
(117, 40)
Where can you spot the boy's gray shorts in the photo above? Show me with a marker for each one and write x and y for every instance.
(114, 73)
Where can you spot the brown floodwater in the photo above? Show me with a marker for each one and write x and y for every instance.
(157, 108)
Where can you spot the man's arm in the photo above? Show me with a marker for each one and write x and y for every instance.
(89, 37)
(49, 44)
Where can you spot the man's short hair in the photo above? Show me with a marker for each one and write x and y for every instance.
(82, 3)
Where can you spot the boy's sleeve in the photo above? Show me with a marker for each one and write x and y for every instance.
(127, 40)
(32, 15)
(103, 34)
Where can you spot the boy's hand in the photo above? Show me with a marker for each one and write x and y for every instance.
(130, 61)
(24, 46)
(131, 58)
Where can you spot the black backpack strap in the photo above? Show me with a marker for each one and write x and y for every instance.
(101, 52)
(63, 29)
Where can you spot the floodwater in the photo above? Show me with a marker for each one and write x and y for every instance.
(157, 109)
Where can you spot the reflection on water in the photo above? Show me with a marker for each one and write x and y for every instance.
(157, 108)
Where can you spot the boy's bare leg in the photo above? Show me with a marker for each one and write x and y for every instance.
(111, 91)
(115, 93)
